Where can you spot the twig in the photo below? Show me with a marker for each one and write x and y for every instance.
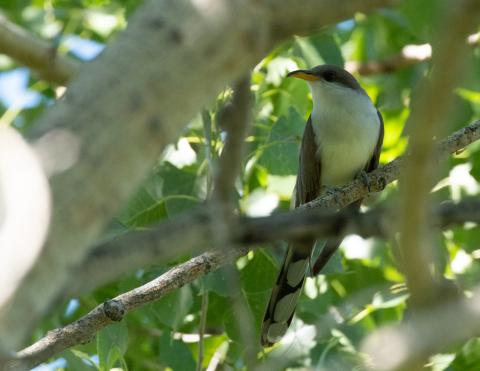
(35, 54)
(207, 130)
(300, 224)
(201, 328)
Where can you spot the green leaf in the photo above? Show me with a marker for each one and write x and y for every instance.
(320, 49)
(468, 358)
(175, 354)
(216, 281)
(280, 153)
(210, 346)
(230, 322)
(309, 51)
(143, 210)
(78, 361)
(422, 16)
(259, 274)
(293, 93)
(329, 49)
(257, 279)
(112, 343)
(470, 95)
(178, 188)
(172, 309)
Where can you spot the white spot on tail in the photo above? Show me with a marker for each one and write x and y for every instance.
(296, 272)
(286, 306)
(276, 331)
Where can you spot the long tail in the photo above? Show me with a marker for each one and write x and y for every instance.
(288, 288)
(285, 294)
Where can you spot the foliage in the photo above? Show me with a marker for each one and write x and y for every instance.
(362, 288)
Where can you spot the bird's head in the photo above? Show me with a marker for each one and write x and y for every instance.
(329, 81)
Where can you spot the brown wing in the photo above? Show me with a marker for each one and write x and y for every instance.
(287, 289)
(373, 163)
(309, 170)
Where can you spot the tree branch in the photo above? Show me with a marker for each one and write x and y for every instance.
(409, 56)
(428, 120)
(195, 231)
(133, 113)
(236, 120)
(83, 330)
(429, 332)
(36, 54)
(24, 206)
(288, 226)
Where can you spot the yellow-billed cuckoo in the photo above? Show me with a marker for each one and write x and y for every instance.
(342, 139)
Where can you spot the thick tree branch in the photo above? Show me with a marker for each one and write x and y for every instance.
(195, 231)
(24, 206)
(429, 332)
(428, 120)
(409, 56)
(35, 53)
(250, 231)
(133, 113)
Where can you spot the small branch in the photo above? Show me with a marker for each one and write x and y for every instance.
(83, 330)
(390, 172)
(236, 120)
(36, 54)
(201, 329)
(291, 225)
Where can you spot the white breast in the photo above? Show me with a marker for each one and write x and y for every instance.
(346, 127)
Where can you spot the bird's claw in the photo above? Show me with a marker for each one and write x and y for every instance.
(362, 175)
(333, 192)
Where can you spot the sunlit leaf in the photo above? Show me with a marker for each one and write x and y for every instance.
(112, 342)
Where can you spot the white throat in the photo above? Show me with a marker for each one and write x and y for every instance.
(346, 127)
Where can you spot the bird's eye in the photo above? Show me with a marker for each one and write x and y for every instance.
(329, 76)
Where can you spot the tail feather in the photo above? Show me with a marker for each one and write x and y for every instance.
(287, 289)
(284, 297)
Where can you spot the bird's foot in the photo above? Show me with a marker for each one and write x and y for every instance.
(362, 175)
(333, 192)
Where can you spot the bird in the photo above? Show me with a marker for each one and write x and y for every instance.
(342, 140)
